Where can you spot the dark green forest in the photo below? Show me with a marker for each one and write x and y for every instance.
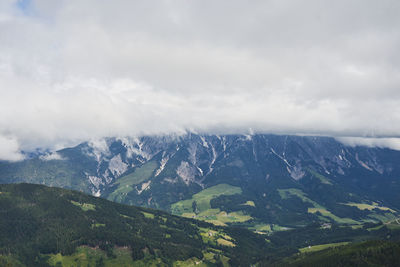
(370, 253)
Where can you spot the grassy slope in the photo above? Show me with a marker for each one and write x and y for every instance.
(88, 256)
(321, 247)
(364, 206)
(126, 183)
(202, 209)
(286, 193)
(203, 198)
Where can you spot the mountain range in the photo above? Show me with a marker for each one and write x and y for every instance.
(262, 182)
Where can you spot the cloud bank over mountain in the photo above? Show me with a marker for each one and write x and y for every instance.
(74, 70)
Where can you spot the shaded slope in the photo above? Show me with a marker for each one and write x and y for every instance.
(370, 253)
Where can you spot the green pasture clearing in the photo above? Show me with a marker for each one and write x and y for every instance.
(276, 227)
(363, 206)
(148, 215)
(218, 217)
(232, 217)
(375, 228)
(287, 193)
(216, 222)
(98, 225)
(87, 256)
(319, 176)
(225, 242)
(267, 228)
(84, 206)
(190, 263)
(261, 228)
(387, 217)
(126, 183)
(125, 216)
(249, 203)
(216, 237)
(203, 199)
(321, 247)
(209, 259)
(327, 213)
(189, 215)
(209, 212)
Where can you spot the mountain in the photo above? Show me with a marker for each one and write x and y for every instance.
(262, 182)
(42, 226)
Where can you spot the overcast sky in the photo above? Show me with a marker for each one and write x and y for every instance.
(78, 69)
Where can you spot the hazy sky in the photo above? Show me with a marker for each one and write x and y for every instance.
(77, 69)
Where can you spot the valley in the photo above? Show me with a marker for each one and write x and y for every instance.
(199, 133)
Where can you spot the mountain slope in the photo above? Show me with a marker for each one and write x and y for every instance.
(38, 222)
(278, 180)
(370, 253)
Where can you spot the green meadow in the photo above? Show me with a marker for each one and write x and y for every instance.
(126, 183)
(321, 247)
(203, 199)
(203, 210)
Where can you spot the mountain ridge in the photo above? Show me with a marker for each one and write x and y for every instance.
(291, 180)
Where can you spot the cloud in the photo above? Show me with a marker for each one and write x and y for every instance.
(392, 143)
(9, 149)
(74, 70)
(51, 156)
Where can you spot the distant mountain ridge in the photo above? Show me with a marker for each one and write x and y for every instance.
(285, 180)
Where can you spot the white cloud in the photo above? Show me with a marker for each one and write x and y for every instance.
(52, 156)
(74, 70)
(9, 149)
(392, 143)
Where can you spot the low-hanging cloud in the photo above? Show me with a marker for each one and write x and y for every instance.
(393, 143)
(74, 70)
(9, 149)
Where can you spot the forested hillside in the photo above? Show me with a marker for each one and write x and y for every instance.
(371, 253)
(41, 226)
